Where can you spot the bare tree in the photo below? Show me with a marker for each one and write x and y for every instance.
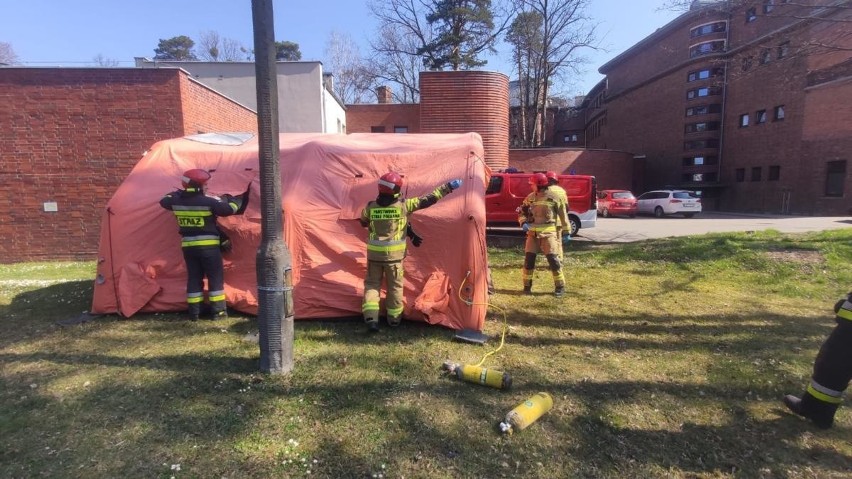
(208, 45)
(352, 79)
(103, 61)
(233, 51)
(215, 48)
(391, 64)
(548, 43)
(7, 54)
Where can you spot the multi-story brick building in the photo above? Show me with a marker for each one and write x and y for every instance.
(478, 101)
(748, 102)
(73, 134)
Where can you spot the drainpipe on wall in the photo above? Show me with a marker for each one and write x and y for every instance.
(724, 103)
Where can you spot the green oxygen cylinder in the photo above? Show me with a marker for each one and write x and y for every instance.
(479, 375)
(526, 413)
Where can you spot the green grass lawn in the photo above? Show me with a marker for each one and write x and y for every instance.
(667, 358)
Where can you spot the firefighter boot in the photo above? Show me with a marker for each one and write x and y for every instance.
(821, 413)
(194, 312)
(394, 321)
(560, 291)
(527, 287)
(373, 326)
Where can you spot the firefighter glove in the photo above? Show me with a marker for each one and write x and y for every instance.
(455, 184)
(415, 239)
(566, 239)
(525, 227)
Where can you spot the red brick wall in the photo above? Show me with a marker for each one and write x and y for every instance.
(205, 110)
(361, 118)
(613, 169)
(468, 101)
(73, 135)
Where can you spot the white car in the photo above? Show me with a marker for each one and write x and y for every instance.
(669, 202)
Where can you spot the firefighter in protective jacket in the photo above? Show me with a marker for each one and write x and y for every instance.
(201, 240)
(562, 195)
(832, 372)
(540, 214)
(386, 218)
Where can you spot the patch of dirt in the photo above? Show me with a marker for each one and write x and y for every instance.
(797, 256)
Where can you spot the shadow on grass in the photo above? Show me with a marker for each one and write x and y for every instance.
(212, 401)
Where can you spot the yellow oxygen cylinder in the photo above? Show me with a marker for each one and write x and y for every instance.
(479, 375)
(526, 413)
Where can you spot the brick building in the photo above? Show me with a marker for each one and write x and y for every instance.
(463, 101)
(748, 102)
(73, 134)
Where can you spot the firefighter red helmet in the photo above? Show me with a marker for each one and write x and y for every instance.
(551, 175)
(195, 178)
(390, 184)
(538, 179)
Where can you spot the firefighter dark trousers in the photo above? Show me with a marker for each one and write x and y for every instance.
(392, 272)
(200, 262)
(832, 373)
(548, 244)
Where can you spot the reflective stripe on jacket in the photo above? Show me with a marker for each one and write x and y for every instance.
(386, 224)
(196, 216)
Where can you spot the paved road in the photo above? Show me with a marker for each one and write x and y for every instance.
(623, 230)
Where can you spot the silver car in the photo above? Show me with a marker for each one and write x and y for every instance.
(669, 202)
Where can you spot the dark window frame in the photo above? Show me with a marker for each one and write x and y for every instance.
(740, 175)
(835, 177)
(377, 129)
(707, 48)
(760, 117)
(756, 173)
(774, 173)
(708, 29)
(783, 49)
(751, 15)
(768, 5)
(779, 113)
(743, 121)
(765, 56)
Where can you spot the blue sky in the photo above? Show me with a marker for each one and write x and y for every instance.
(73, 32)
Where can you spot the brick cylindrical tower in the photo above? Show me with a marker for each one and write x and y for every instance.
(465, 101)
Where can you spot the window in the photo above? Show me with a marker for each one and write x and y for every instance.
(835, 175)
(707, 48)
(377, 129)
(783, 50)
(701, 144)
(768, 5)
(400, 129)
(708, 29)
(704, 74)
(765, 56)
(740, 172)
(760, 117)
(703, 126)
(744, 120)
(779, 113)
(747, 62)
(495, 185)
(774, 173)
(703, 109)
(700, 160)
(570, 139)
(702, 92)
(751, 15)
(756, 173)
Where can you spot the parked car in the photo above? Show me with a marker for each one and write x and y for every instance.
(669, 202)
(616, 202)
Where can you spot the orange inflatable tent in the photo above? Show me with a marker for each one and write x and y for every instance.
(326, 180)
